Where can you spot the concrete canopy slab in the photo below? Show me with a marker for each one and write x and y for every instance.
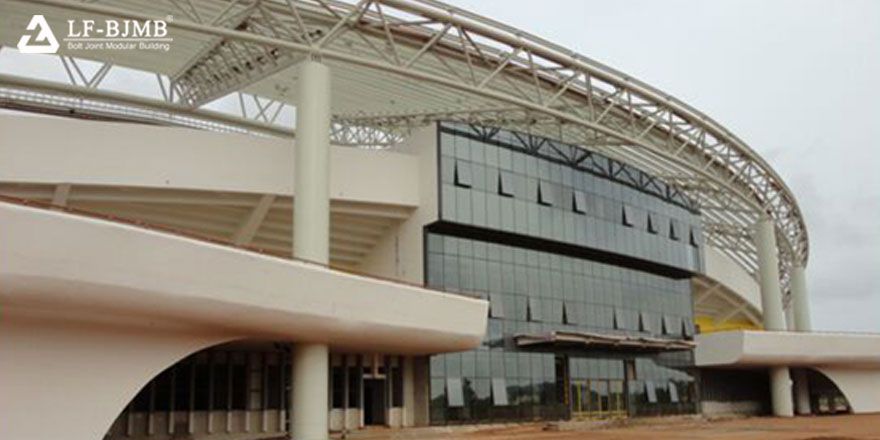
(766, 348)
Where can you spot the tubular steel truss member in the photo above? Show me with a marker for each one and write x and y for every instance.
(227, 65)
(84, 96)
(366, 136)
(53, 98)
(342, 132)
(464, 63)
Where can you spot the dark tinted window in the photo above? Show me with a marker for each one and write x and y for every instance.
(337, 380)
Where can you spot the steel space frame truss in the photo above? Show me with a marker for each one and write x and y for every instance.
(510, 79)
(82, 95)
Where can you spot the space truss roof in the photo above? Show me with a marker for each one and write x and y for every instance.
(400, 64)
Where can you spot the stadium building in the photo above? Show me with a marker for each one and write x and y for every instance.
(266, 218)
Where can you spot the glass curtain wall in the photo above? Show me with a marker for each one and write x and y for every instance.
(535, 187)
(506, 207)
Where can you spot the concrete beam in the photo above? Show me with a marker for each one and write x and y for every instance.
(61, 194)
(251, 225)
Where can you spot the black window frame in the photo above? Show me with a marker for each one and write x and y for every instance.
(534, 310)
(500, 396)
(673, 392)
(455, 400)
(464, 177)
(496, 305)
(620, 321)
(579, 202)
(652, 224)
(651, 391)
(687, 328)
(674, 230)
(505, 184)
(627, 216)
(545, 193)
(693, 238)
(645, 323)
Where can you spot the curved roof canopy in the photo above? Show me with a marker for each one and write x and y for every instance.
(399, 64)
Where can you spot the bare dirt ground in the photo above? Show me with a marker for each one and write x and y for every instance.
(849, 427)
(844, 427)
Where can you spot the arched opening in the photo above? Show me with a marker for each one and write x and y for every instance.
(82, 368)
(825, 396)
(238, 389)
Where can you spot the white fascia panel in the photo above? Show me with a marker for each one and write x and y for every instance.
(84, 266)
(764, 348)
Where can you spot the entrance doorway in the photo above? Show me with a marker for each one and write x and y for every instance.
(562, 381)
(597, 398)
(374, 401)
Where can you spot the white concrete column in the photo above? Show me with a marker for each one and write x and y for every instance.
(768, 275)
(780, 392)
(311, 241)
(311, 203)
(774, 317)
(409, 391)
(800, 303)
(801, 391)
(789, 318)
(801, 313)
(309, 392)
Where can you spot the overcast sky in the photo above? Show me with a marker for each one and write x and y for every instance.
(799, 81)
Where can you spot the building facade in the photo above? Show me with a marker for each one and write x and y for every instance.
(613, 259)
(559, 245)
(331, 215)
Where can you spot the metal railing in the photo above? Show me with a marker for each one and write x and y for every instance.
(67, 103)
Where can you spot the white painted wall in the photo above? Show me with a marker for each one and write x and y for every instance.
(860, 386)
(68, 375)
(724, 270)
(400, 253)
(92, 310)
(851, 361)
(56, 150)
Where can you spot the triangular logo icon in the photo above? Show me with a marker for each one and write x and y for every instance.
(45, 41)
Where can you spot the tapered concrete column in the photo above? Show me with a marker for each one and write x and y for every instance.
(774, 317)
(800, 303)
(311, 241)
(768, 275)
(780, 392)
